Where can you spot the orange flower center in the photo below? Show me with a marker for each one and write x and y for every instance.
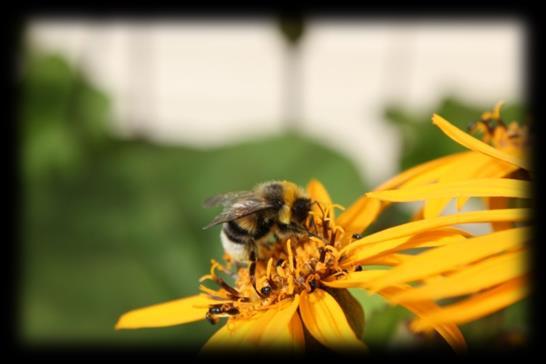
(510, 138)
(290, 267)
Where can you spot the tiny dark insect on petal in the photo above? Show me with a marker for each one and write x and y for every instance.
(357, 236)
(213, 320)
(358, 268)
(215, 310)
(232, 311)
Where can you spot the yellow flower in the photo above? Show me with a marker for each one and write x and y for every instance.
(305, 285)
(301, 286)
(484, 273)
(504, 157)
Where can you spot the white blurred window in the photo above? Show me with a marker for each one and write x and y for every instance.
(213, 82)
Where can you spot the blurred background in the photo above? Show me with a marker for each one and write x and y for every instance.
(126, 127)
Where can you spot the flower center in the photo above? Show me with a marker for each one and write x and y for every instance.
(510, 138)
(285, 269)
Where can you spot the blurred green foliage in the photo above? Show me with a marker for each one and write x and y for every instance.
(109, 225)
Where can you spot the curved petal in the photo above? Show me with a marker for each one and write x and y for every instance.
(360, 215)
(278, 329)
(477, 277)
(354, 279)
(423, 173)
(326, 321)
(487, 187)
(470, 142)
(478, 306)
(494, 169)
(461, 169)
(430, 238)
(450, 332)
(296, 333)
(452, 256)
(231, 336)
(364, 211)
(416, 227)
(170, 313)
(318, 193)
(273, 328)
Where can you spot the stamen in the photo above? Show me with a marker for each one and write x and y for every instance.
(290, 255)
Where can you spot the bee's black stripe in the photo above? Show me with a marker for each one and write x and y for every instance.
(262, 228)
(236, 229)
(239, 239)
(238, 234)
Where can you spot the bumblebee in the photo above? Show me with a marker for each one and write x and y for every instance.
(270, 212)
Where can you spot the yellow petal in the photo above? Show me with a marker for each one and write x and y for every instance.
(297, 333)
(470, 142)
(318, 193)
(500, 187)
(364, 211)
(416, 227)
(492, 169)
(277, 330)
(434, 207)
(359, 216)
(388, 259)
(478, 306)
(451, 256)
(450, 332)
(466, 167)
(170, 313)
(326, 321)
(269, 329)
(460, 202)
(482, 275)
(441, 237)
(354, 279)
(423, 173)
(232, 335)
(428, 238)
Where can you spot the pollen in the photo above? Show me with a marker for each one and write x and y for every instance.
(285, 269)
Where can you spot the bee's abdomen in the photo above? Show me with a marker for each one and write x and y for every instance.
(263, 227)
(236, 233)
(241, 235)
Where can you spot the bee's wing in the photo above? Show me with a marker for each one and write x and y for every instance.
(227, 199)
(239, 209)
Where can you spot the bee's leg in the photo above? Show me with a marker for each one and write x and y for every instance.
(252, 268)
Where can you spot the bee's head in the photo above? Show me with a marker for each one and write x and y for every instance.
(289, 200)
(295, 212)
(300, 209)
